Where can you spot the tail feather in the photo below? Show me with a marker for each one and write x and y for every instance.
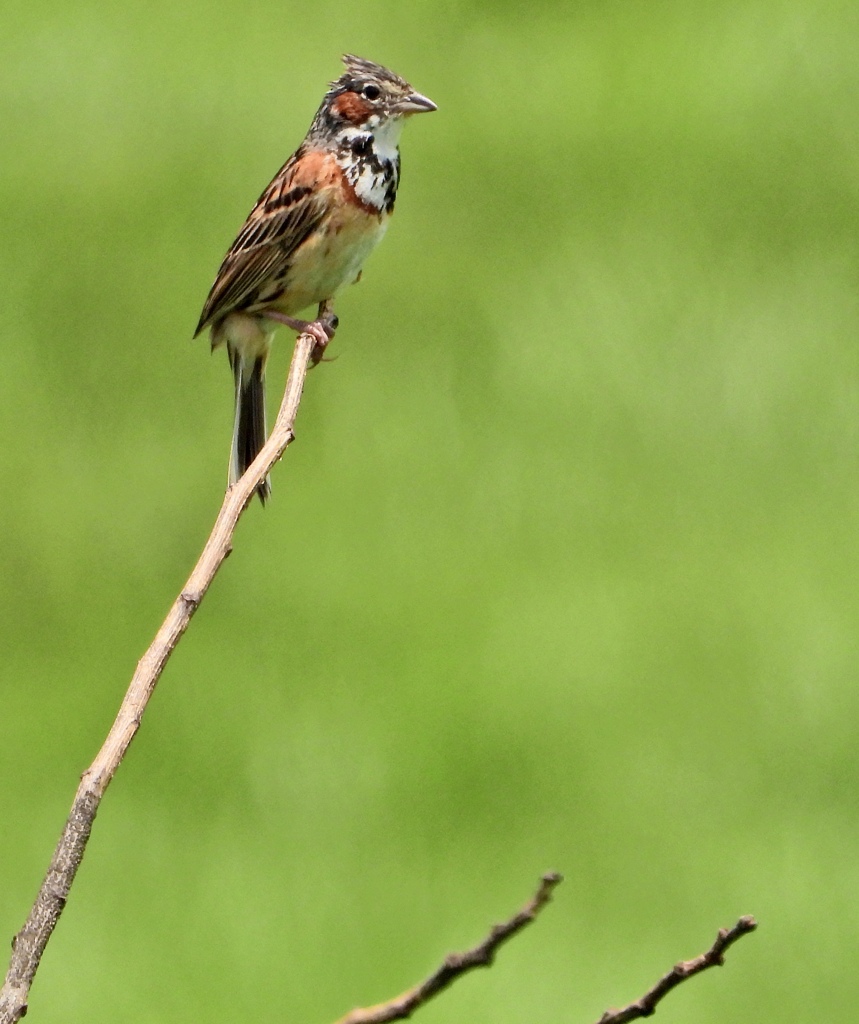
(249, 429)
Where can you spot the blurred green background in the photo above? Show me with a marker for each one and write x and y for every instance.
(560, 573)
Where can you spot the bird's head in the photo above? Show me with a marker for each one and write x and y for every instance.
(368, 97)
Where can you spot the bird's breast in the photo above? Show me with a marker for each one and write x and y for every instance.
(332, 256)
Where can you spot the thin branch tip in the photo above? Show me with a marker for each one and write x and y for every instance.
(549, 882)
(680, 972)
(455, 965)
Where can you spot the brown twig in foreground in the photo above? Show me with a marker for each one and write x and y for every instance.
(456, 964)
(714, 957)
(29, 944)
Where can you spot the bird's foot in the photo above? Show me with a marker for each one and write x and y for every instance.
(321, 329)
(327, 321)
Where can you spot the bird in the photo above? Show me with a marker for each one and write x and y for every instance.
(308, 236)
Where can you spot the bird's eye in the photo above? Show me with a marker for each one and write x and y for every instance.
(372, 92)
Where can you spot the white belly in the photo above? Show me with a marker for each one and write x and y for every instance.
(331, 259)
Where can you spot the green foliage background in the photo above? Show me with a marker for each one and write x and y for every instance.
(561, 572)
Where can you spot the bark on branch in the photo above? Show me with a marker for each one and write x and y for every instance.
(29, 944)
(483, 955)
(456, 964)
(714, 957)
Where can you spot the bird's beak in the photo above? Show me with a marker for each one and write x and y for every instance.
(416, 104)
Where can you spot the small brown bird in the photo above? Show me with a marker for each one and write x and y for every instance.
(308, 236)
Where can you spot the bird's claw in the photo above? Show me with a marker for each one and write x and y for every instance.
(322, 330)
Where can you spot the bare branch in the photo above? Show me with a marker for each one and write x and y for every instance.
(456, 964)
(29, 944)
(714, 957)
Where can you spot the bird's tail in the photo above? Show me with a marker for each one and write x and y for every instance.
(249, 429)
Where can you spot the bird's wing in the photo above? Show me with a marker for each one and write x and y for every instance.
(292, 206)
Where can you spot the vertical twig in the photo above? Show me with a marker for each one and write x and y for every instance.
(29, 944)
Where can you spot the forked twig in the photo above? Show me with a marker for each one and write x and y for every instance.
(456, 964)
(714, 957)
(29, 944)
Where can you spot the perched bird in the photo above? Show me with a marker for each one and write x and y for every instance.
(308, 236)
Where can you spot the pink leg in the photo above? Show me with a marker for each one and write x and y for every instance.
(321, 329)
